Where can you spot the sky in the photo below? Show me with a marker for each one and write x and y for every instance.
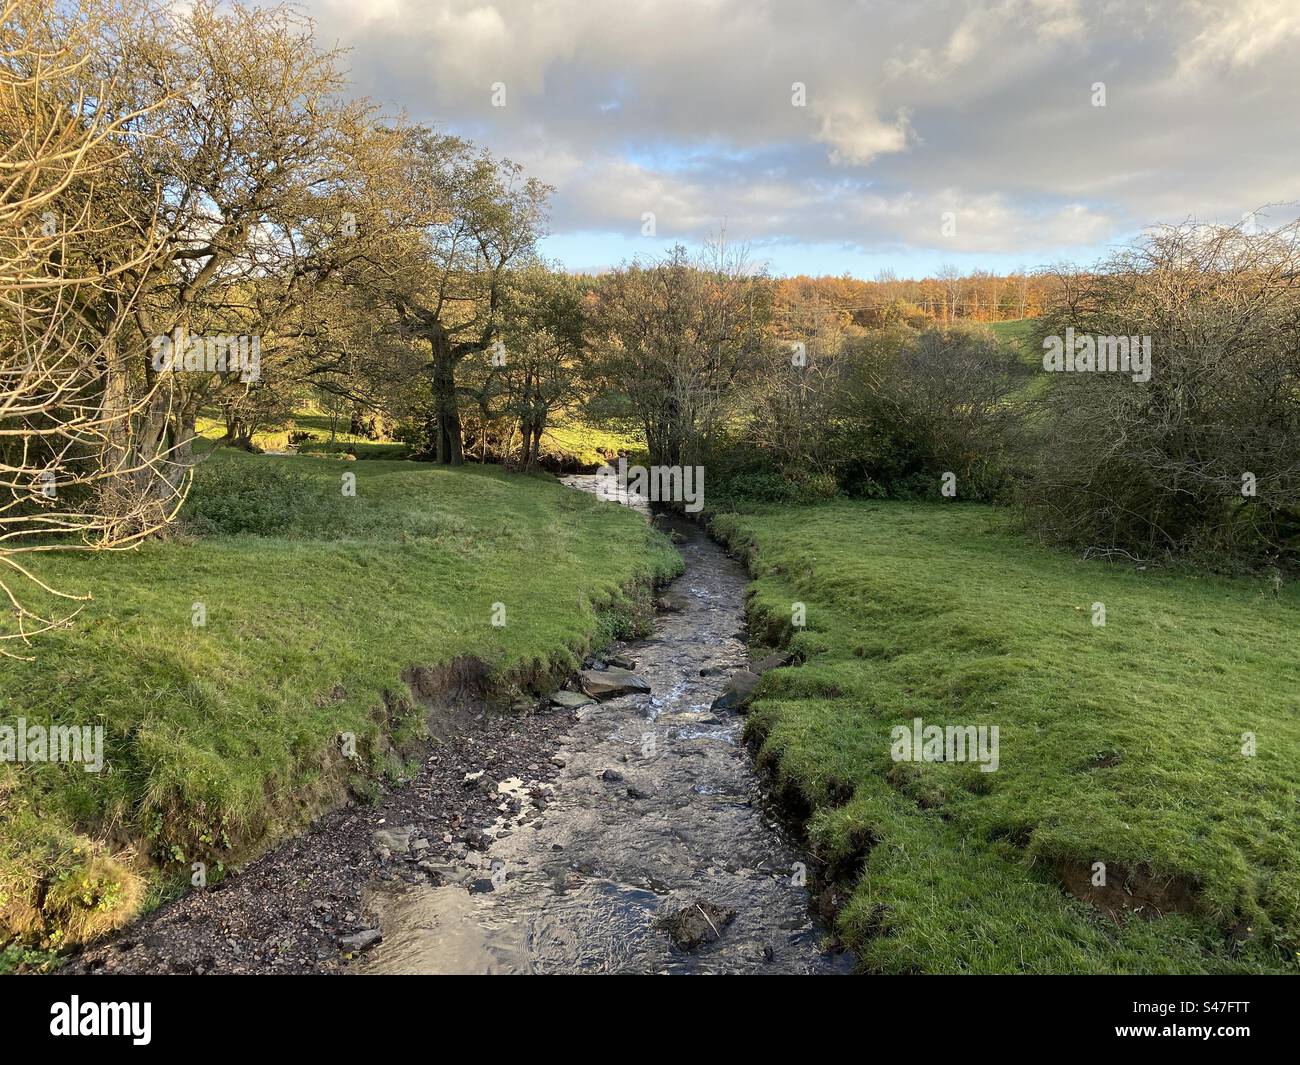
(851, 136)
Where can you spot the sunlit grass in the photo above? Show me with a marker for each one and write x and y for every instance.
(586, 443)
(1119, 744)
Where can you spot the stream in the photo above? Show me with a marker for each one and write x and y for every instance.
(656, 809)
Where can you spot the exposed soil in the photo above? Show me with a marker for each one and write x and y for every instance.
(1127, 892)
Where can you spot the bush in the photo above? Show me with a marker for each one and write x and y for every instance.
(1167, 466)
(885, 415)
(763, 486)
(914, 405)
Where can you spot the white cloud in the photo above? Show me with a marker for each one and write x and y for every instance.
(1240, 33)
(982, 107)
(856, 136)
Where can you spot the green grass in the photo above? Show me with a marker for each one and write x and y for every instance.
(362, 449)
(220, 738)
(1118, 744)
(1017, 331)
(276, 438)
(568, 440)
(586, 443)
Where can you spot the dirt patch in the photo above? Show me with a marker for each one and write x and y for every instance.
(450, 693)
(1106, 759)
(839, 793)
(1126, 891)
(848, 866)
(764, 628)
(830, 884)
(463, 679)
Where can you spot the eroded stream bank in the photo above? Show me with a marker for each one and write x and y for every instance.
(559, 841)
(655, 812)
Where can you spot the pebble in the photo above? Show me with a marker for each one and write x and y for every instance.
(359, 941)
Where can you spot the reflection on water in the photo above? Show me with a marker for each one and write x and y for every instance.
(445, 931)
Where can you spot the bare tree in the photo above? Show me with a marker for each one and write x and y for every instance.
(1205, 454)
(677, 337)
(70, 475)
(793, 393)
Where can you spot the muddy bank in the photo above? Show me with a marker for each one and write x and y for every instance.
(626, 835)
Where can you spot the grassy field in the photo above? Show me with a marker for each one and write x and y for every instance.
(276, 438)
(1017, 331)
(1120, 744)
(587, 444)
(1017, 334)
(220, 737)
(565, 441)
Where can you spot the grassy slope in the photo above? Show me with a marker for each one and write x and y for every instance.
(1016, 333)
(211, 732)
(277, 438)
(587, 443)
(939, 612)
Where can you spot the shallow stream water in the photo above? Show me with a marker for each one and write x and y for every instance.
(656, 809)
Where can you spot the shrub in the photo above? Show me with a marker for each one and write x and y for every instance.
(1168, 465)
(764, 486)
(914, 405)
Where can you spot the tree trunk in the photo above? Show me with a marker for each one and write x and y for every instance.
(446, 411)
(539, 426)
